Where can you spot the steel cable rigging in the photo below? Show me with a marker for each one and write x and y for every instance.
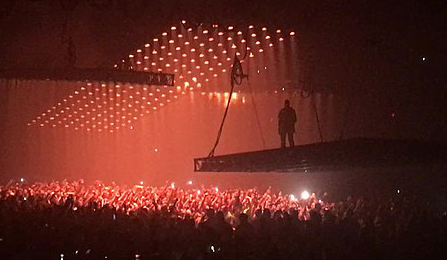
(236, 77)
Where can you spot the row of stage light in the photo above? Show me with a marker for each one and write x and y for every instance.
(199, 58)
(203, 56)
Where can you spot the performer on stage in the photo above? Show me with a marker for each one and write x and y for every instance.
(286, 124)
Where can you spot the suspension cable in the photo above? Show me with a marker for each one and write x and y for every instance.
(318, 120)
(309, 93)
(237, 76)
(256, 114)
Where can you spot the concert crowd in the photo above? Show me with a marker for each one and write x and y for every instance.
(75, 220)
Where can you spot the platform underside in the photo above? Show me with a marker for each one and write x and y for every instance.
(329, 156)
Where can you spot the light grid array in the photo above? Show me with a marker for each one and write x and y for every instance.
(200, 58)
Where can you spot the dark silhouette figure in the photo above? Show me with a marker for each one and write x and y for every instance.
(286, 124)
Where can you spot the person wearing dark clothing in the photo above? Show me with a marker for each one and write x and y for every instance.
(286, 124)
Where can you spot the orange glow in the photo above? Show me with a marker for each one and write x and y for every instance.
(108, 99)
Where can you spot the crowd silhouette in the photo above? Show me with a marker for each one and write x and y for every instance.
(73, 220)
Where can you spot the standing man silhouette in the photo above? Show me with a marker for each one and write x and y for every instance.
(286, 124)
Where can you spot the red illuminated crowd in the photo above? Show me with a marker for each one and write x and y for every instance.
(73, 220)
(182, 202)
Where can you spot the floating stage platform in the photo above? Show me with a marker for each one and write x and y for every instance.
(359, 153)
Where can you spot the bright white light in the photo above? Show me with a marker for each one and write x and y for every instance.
(189, 182)
(173, 185)
(198, 192)
(423, 58)
(141, 182)
(305, 195)
(22, 179)
(293, 198)
(398, 191)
